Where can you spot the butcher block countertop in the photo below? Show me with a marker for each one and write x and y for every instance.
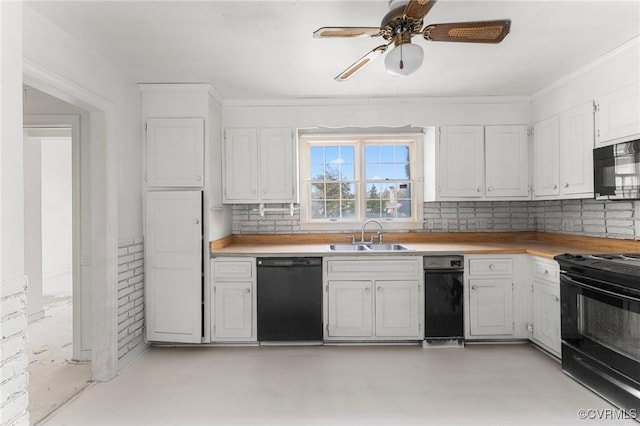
(535, 243)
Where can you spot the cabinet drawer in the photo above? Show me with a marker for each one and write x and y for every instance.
(548, 271)
(377, 268)
(233, 269)
(490, 266)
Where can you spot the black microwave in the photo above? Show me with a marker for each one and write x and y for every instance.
(617, 171)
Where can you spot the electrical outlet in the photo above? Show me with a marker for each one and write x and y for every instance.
(481, 223)
(567, 224)
(437, 224)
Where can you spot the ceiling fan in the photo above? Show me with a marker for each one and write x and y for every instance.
(405, 20)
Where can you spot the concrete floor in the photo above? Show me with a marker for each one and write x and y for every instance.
(53, 377)
(336, 385)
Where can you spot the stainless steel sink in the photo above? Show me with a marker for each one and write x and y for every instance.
(347, 247)
(367, 247)
(388, 247)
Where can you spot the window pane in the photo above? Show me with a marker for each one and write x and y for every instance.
(348, 191)
(317, 171)
(401, 154)
(386, 153)
(371, 154)
(347, 154)
(317, 154)
(401, 171)
(332, 172)
(372, 172)
(348, 209)
(333, 191)
(332, 154)
(348, 171)
(317, 190)
(333, 209)
(317, 210)
(387, 171)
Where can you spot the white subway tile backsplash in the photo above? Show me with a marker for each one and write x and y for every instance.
(578, 217)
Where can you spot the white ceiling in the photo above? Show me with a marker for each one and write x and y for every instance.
(265, 50)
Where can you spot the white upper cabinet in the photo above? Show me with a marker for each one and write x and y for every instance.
(483, 163)
(506, 162)
(618, 116)
(546, 155)
(563, 155)
(461, 162)
(175, 152)
(277, 165)
(576, 151)
(241, 165)
(260, 166)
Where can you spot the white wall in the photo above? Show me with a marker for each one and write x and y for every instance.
(619, 68)
(13, 312)
(375, 112)
(57, 247)
(49, 47)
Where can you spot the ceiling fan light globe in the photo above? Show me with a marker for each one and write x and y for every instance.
(404, 59)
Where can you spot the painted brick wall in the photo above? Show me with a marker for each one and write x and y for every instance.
(130, 295)
(13, 357)
(610, 219)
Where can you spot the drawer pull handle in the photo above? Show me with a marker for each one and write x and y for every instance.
(546, 272)
(379, 289)
(491, 267)
(366, 290)
(473, 287)
(556, 298)
(248, 291)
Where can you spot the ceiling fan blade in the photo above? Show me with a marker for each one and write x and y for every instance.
(360, 63)
(469, 32)
(417, 9)
(335, 32)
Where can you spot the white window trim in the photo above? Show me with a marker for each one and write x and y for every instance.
(415, 142)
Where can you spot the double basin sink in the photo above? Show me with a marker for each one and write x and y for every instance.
(362, 247)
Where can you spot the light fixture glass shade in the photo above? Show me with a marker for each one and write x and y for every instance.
(404, 59)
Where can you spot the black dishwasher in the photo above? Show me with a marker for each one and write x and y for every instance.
(289, 299)
(443, 298)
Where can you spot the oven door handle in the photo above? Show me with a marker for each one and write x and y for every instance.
(599, 290)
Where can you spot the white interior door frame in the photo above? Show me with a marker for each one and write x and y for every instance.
(104, 212)
(61, 125)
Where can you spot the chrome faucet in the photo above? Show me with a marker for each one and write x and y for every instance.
(379, 232)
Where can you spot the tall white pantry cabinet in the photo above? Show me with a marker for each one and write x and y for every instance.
(175, 122)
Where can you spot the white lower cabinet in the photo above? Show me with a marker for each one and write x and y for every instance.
(233, 300)
(350, 309)
(491, 307)
(545, 305)
(373, 299)
(496, 297)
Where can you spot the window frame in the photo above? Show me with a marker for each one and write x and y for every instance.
(416, 163)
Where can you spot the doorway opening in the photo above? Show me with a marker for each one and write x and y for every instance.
(58, 294)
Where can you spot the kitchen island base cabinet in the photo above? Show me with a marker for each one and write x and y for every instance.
(233, 299)
(375, 299)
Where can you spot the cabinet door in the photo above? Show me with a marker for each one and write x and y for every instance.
(546, 150)
(233, 310)
(241, 165)
(618, 116)
(350, 309)
(173, 266)
(461, 162)
(576, 151)
(175, 152)
(491, 307)
(546, 316)
(506, 161)
(397, 309)
(277, 171)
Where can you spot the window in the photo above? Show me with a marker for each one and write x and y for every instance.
(348, 179)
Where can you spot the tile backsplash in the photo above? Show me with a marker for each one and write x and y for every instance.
(610, 219)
